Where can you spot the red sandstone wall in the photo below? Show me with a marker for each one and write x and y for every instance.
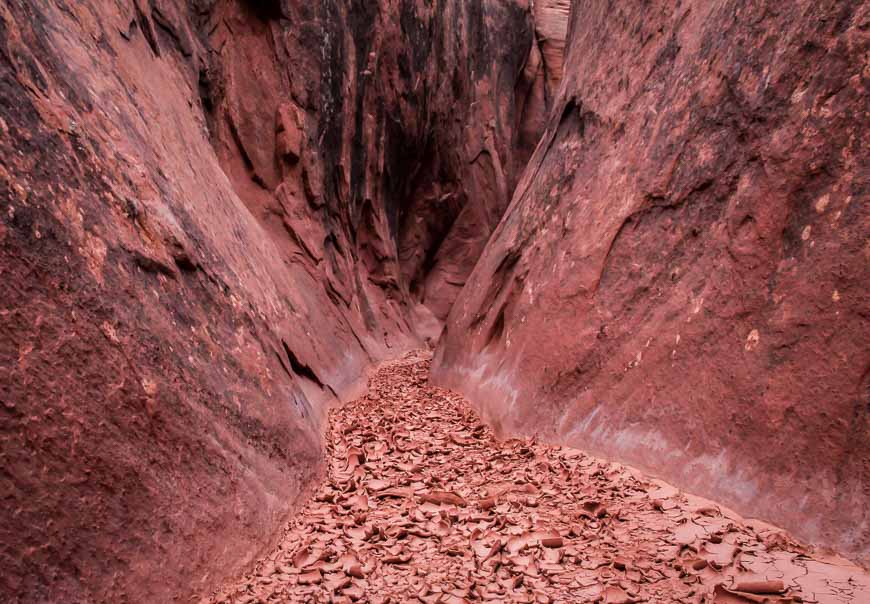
(680, 281)
(202, 206)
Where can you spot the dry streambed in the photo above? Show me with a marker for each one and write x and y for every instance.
(422, 503)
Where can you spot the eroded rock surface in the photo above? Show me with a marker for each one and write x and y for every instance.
(422, 503)
(215, 215)
(680, 279)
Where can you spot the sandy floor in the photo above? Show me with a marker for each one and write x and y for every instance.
(422, 504)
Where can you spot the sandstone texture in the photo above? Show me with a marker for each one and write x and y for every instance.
(640, 229)
(680, 281)
(215, 215)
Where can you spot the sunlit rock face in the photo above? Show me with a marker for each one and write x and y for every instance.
(216, 216)
(680, 279)
(551, 29)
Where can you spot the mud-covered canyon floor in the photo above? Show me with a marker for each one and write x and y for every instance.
(421, 503)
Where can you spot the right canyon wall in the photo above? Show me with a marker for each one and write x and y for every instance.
(680, 281)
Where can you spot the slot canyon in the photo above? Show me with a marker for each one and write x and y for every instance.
(434, 301)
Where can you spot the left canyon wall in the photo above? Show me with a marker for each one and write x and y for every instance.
(215, 216)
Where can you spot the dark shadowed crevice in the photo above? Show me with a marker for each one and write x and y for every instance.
(300, 368)
(305, 371)
(265, 10)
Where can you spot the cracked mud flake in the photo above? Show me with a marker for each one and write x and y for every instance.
(423, 504)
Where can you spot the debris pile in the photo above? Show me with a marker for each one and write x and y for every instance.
(423, 504)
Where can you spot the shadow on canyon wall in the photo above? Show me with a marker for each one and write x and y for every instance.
(218, 215)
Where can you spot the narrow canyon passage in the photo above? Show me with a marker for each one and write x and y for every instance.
(635, 229)
(422, 503)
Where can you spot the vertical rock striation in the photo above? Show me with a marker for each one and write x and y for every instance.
(215, 215)
(680, 279)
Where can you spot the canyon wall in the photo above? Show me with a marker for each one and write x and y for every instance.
(680, 281)
(215, 216)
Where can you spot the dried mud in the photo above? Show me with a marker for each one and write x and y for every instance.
(423, 503)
